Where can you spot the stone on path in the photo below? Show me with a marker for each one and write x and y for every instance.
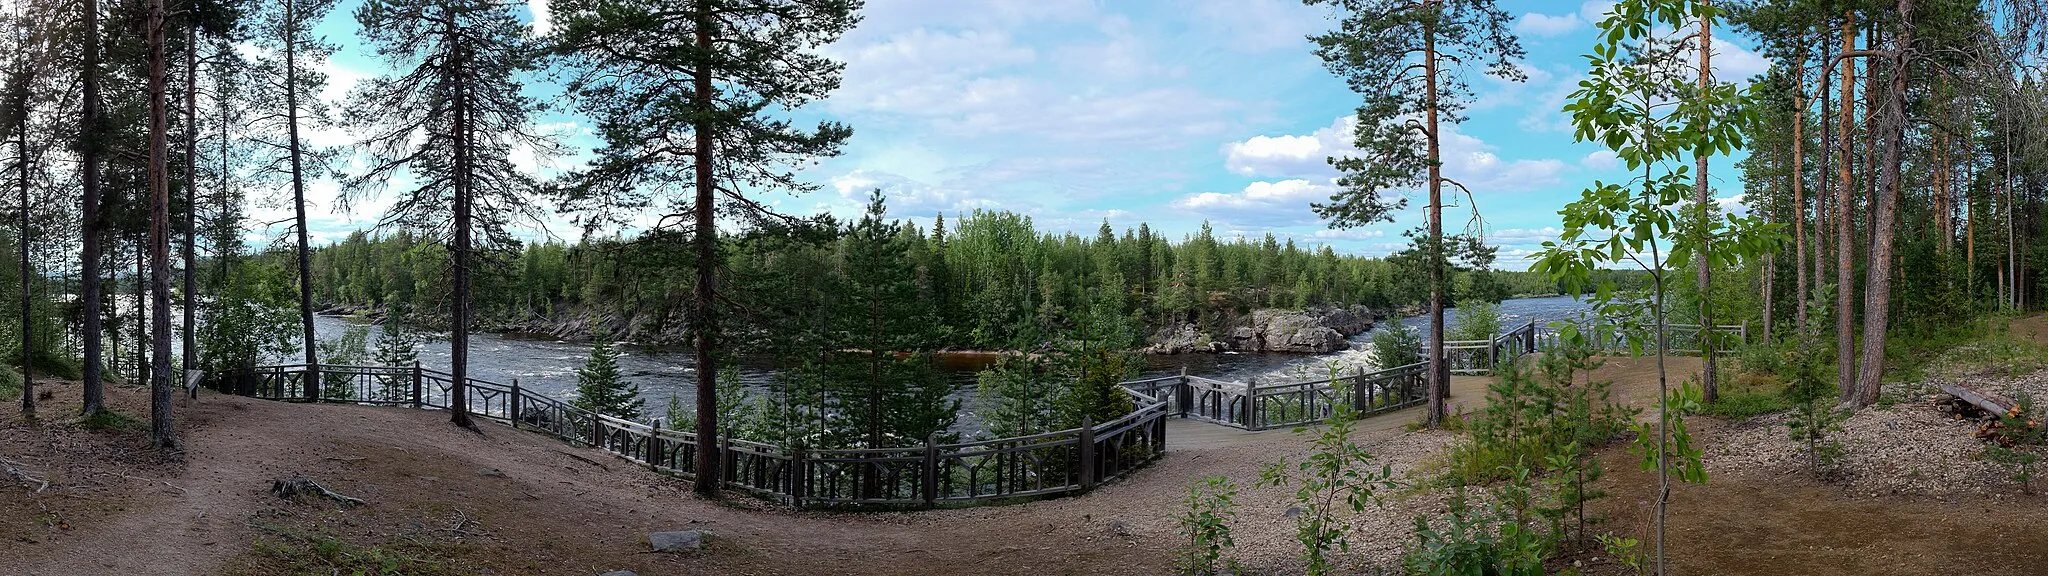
(680, 541)
(619, 573)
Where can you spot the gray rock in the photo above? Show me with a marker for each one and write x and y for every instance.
(679, 541)
(1292, 511)
(619, 573)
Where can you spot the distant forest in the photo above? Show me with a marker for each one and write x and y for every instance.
(993, 279)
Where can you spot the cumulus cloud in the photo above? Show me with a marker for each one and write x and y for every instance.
(1261, 204)
(1523, 235)
(1545, 25)
(1467, 159)
(906, 198)
(1601, 160)
(1350, 234)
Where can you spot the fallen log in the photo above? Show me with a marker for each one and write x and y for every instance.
(1996, 404)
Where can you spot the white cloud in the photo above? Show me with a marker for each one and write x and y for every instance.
(1467, 159)
(906, 198)
(1545, 25)
(1350, 234)
(1601, 160)
(1260, 25)
(1593, 11)
(1523, 236)
(1261, 204)
(542, 22)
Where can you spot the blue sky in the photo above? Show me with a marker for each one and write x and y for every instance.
(1165, 112)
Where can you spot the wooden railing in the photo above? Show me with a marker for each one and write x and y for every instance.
(1254, 406)
(1058, 462)
(1479, 356)
(1679, 338)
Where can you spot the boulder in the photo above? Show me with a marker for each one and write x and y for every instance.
(1314, 331)
(678, 541)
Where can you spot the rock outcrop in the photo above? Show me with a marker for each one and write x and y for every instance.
(1312, 331)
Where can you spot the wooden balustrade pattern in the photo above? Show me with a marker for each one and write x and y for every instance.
(932, 474)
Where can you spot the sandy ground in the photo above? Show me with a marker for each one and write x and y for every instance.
(512, 502)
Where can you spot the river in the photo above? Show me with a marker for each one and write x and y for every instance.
(549, 366)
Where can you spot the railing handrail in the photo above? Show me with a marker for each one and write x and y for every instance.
(660, 448)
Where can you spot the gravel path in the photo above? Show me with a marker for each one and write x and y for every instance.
(1914, 447)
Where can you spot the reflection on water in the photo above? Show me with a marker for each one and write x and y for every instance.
(548, 366)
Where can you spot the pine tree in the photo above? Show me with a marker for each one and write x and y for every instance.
(287, 86)
(600, 388)
(884, 390)
(649, 71)
(1375, 48)
(450, 113)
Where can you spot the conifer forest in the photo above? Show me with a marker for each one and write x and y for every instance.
(867, 287)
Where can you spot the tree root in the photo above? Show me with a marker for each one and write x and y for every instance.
(34, 484)
(304, 485)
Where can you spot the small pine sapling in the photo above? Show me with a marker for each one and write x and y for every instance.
(601, 389)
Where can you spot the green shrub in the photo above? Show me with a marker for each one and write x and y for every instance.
(1212, 504)
(2019, 430)
(1496, 539)
(1813, 420)
(1534, 412)
(10, 385)
(1336, 476)
(1396, 345)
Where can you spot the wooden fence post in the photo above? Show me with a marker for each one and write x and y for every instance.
(1184, 394)
(514, 404)
(1087, 453)
(596, 428)
(799, 475)
(931, 470)
(654, 451)
(1251, 401)
(418, 397)
(1360, 397)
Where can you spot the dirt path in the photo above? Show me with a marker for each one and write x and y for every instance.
(514, 502)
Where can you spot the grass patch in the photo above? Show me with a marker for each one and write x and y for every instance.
(290, 551)
(1745, 405)
(112, 420)
(10, 385)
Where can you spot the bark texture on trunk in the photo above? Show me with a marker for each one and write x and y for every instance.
(703, 322)
(159, 237)
(1708, 383)
(297, 151)
(1439, 373)
(1884, 212)
(90, 224)
(458, 345)
(1845, 265)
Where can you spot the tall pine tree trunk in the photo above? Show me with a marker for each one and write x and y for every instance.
(705, 241)
(28, 372)
(190, 353)
(159, 237)
(296, 151)
(458, 345)
(90, 226)
(1845, 280)
(1884, 212)
(1708, 382)
(1799, 193)
(1439, 373)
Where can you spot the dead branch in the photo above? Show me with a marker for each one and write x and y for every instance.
(304, 485)
(35, 484)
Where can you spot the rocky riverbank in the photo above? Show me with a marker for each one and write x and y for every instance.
(1311, 331)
